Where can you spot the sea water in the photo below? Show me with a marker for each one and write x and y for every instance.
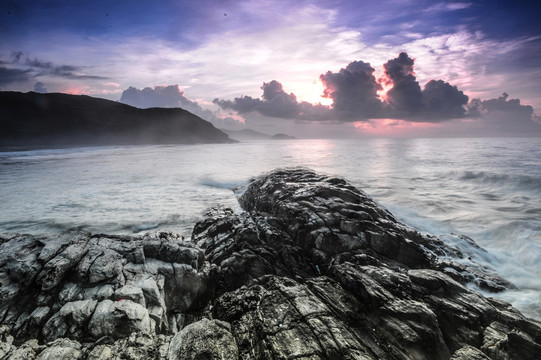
(487, 189)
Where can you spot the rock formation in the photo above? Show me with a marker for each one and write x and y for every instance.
(312, 269)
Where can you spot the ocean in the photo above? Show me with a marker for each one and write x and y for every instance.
(488, 189)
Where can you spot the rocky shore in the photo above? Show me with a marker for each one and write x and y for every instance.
(311, 269)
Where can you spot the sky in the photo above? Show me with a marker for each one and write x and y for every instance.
(351, 68)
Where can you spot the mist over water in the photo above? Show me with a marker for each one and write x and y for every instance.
(487, 189)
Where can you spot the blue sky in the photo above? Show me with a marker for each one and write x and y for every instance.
(215, 52)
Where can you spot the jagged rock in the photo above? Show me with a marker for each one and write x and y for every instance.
(118, 319)
(100, 265)
(469, 353)
(83, 286)
(61, 349)
(6, 341)
(70, 320)
(27, 351)
(132, 293)
(404, 286)
(312, 269)
(205, 339)
(139, 345)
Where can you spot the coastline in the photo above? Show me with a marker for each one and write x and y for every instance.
(309, 254)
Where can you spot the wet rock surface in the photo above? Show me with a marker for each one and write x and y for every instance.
(311, 269)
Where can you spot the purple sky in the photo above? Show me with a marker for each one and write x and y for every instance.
(310, 68)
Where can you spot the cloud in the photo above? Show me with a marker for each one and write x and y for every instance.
(21, 63)
(173, 96)
(405, 97)
(275, 102)
(448, 6)
(353, 90)
(443, 101)
(438, 100)
(16, 56)
(39, 87)
(160, 96)
(65, 71)
(505, 116)
(9, 75)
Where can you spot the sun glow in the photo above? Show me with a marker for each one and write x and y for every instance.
(309, 92)
(386, 86)
(392, 127)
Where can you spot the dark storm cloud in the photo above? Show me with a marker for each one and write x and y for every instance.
(405, 97)
(241, 105)
(353, 91)
(441, 100)
(8, 75)
(27, 68)
(506, 116)
(64, 71)
(39, 87)
(438, 101)
(275, 103)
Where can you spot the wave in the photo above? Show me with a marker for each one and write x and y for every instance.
(527, 182)
(144, 227)
(229, 185)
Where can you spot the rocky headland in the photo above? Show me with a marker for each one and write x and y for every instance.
(311, 269)
(32, 120)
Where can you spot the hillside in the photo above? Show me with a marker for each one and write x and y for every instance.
(57, 120)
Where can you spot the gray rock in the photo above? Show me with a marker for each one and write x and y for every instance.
(61, 349)
(6, 342)
(469, 353)
(132, 293)
(101, 352)
(118, 319)
(312, 269)
(56, 269)
(70, 320)
(205, 339)
(101, 264)
(27, 351)
(31, 324)
(19, 262)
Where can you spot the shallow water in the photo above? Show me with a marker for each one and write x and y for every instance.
(488, 189)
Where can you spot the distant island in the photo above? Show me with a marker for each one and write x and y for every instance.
(283, 137)
(252, 135)
(32, 120)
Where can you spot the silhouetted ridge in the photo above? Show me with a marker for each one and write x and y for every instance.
(48, 120)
